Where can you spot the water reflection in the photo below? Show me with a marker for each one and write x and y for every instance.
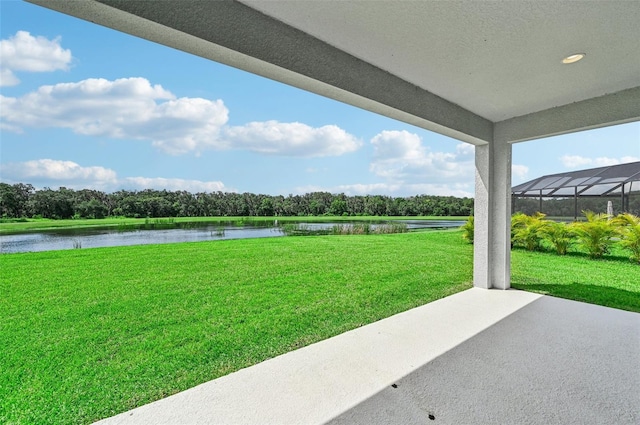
(155, 234)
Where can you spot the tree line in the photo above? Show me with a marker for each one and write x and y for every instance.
(24, 201)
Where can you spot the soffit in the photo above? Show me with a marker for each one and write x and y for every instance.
(476, 71)
(498, 60)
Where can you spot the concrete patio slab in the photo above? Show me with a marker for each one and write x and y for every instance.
(479, 356)
(551, 362)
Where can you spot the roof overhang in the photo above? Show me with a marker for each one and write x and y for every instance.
(475, 71)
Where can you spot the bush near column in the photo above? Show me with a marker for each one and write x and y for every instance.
(527, 230)
(597, 236)
(628, 227)
(468, 229)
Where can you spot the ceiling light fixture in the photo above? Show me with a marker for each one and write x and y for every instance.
(573, 58)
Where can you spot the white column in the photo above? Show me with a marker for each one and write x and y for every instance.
(492, 211)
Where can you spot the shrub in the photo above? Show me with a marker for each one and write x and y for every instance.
(468, 229)
(558, 234)
(526, 230)
(628, 227)
(595, 235)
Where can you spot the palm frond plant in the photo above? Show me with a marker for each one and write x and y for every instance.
(628, 227)
(467, 229)
(558, 234)
(595, 235)
(526, 230)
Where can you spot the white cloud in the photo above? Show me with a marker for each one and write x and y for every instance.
(519, 172)
(159, 183)
(408, 167)
(351, 189)
(9, 127)
(125, 108)
(577, 161)
(461, 190)
(132, 108)
(50, 172)
(394, 189)
(7, 78)
(24, 52)
(291, 139)
(465, 150)
(400, 155)
(55, 173)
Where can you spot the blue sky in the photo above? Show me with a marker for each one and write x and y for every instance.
(87, 107)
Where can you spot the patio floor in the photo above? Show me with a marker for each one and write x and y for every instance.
(479, 356)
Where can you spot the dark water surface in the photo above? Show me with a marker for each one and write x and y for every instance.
(51, 240)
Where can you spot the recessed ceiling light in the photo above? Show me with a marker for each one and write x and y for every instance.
(573, 58)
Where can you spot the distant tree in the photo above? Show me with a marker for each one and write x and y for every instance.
(316, 207)
(266, 207)
(320, 203)
(53, 204)
(278, 205)
(15, 200)
(8, 201)
(375, 205)
(92, 209)
(391, 207)
(338, 207)
(356, 205)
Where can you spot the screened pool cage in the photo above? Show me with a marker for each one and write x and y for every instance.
(566, 195)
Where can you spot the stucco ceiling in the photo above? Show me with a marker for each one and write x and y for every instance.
(496, 59)
(475, 70)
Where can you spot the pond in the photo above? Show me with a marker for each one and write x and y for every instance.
(57, 239)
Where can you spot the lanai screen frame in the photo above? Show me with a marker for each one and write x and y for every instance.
(592, 182)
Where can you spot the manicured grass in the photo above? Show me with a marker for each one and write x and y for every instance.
(89, 333)
(613, 281)
(47, 224)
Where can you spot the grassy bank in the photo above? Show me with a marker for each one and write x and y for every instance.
(90, 333)
(47, 224)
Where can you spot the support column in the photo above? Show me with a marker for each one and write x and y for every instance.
(492, 214)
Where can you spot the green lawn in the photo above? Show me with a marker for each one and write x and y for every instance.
(90, 333)
(613, 281)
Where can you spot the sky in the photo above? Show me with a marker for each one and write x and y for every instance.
(83, 106)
